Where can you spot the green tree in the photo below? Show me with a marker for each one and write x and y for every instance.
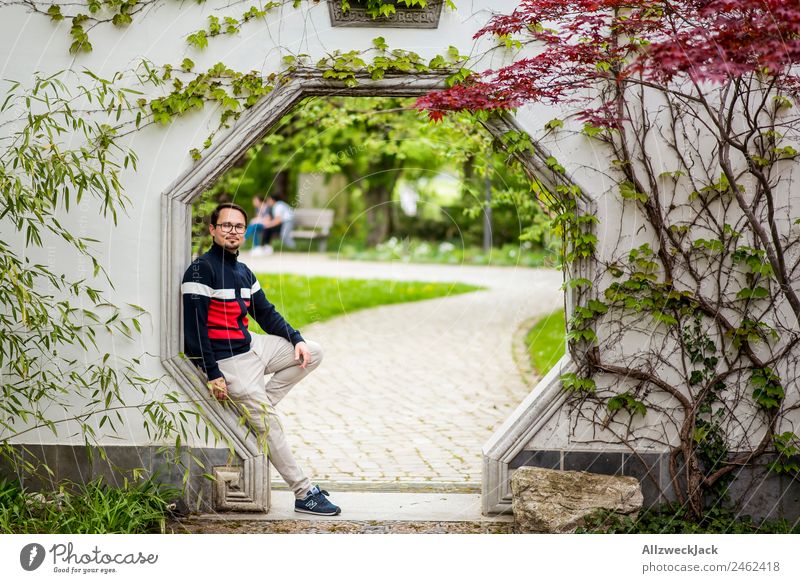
(374, 142)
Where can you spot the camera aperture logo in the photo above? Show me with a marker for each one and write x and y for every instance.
(31, 556)
(67, 560)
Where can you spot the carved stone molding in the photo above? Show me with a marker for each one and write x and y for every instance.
(403, 17)
(232, 492)
(516, 431)
(246, 487)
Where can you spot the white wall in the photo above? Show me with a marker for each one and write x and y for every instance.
(131, 250)
(623, 227)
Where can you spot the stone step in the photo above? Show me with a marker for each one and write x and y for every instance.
(377, 506)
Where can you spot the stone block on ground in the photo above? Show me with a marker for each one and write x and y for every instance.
(555, 501)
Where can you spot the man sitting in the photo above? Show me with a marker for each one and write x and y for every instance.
(219, 294)
(280, 222)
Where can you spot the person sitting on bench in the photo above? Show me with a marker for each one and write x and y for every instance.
(255, 229)
(280, 222)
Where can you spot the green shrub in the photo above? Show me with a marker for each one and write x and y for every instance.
(93, 508)
(453, 253)
(671, 519)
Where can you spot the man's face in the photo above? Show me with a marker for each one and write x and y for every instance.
(232, 240)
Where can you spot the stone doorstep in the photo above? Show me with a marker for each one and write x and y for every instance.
(376, 506)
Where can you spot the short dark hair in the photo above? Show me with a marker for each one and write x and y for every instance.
(226, 205)
(277, 196)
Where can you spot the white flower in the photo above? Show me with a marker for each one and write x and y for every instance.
(422, 249)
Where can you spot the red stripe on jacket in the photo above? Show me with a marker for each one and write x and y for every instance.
(226, 334)
(226, 314)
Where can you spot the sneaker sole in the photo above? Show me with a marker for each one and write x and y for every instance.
(319, 513)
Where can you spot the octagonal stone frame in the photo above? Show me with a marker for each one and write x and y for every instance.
(246, 487)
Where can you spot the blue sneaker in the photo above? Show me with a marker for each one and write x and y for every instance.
(316, 503)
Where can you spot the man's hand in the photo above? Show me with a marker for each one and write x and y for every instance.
(301, 350)
(219, 388)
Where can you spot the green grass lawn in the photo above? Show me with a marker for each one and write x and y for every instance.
(302, 300)
(545, 341)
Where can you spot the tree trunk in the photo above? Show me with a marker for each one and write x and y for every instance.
(468, 171)
(283, 183)
(378, 197)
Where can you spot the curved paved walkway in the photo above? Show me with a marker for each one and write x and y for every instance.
(409, 393)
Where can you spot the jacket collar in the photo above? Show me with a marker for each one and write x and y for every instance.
(222, 253)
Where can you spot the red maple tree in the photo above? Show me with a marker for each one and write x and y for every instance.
(587, 42)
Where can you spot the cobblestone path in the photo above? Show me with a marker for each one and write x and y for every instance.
(407, 394)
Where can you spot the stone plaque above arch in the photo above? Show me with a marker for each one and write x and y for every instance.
(403, 17)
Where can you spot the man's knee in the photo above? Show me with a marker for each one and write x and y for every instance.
(316, 351)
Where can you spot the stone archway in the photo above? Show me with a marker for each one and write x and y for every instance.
(245, 485)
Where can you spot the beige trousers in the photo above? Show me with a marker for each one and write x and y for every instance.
(255, 400)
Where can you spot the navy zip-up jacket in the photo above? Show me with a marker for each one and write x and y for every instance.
(218, 294)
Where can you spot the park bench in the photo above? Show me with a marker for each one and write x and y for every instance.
(314, 225)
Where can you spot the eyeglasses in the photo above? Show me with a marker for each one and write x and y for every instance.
(238, 228)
